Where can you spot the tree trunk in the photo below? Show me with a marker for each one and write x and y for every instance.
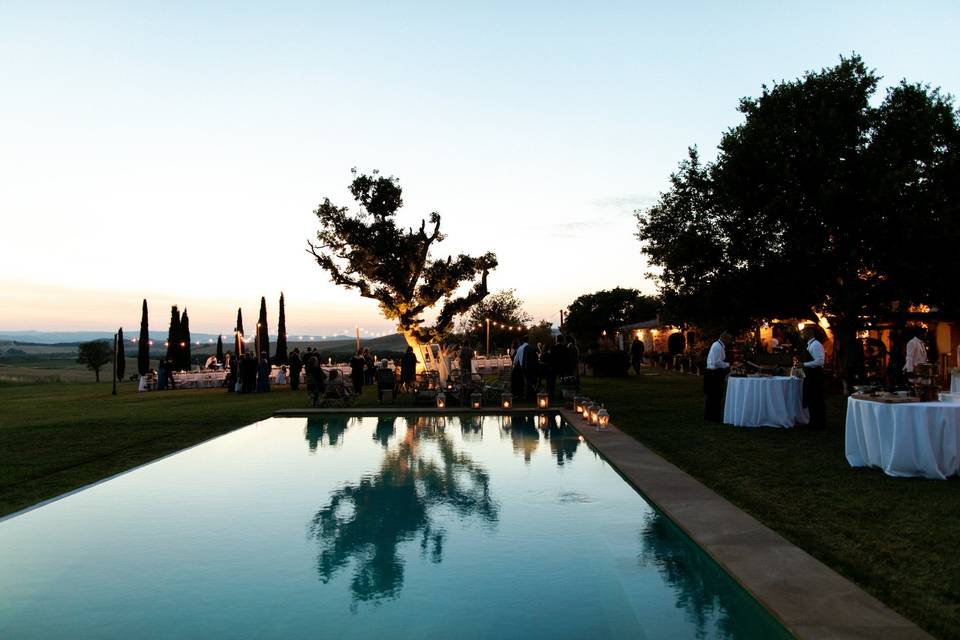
(96, 372)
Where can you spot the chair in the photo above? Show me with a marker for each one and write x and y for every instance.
(427, 387)
(386, 381)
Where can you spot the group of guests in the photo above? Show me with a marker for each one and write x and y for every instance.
(538, 366)
(812, 360)
(247, 374)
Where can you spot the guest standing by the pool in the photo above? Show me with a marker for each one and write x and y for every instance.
(713, 378)
(314, 378)
(813, 380)
(357, 365)
(263, 373)
(573, 359)
(466, 360)
(516, 374)
(161, 375)
(230, 364)
(248, 373)
(367, 367)
(296, 365)
(559, 363)
(408, 369)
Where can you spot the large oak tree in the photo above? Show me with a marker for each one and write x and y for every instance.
(368, 251)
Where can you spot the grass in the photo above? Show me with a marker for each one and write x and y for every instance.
(57, 437)
(896, 537)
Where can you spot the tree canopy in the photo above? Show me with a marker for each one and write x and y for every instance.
(370, 252)
(593, 313)
(817, 203)
(95, 354)
(501, 308)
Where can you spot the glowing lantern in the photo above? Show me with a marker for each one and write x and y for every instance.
(594, 410)
(543, 400)
(506, 400)
(542, 421)
(603, 419)
(475, 399)
(441, 400)
(578, 402)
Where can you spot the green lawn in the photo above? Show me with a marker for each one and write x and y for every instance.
(897, 537)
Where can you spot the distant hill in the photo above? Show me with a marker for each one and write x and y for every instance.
(76, 337)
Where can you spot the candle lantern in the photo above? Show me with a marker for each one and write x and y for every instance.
(441, 400)
(506, 400)
(589, 410)
(542, 421)
(578, 401)
(543, 400)
(603, 418)
(475, 399)
(594, 413)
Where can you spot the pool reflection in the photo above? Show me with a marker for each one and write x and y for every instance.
(701, 588)
(331, 426)
(365, 522)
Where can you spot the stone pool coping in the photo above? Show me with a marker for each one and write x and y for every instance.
(810, 599)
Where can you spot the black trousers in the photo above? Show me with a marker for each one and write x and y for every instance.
(813, 397)
(713, 392)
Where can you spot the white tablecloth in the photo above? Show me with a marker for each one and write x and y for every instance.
(764, 402)
(955, 381)
(910, 439)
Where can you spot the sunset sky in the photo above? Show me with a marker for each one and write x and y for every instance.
(176, 152)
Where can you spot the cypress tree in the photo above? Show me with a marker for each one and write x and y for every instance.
(173, 335)
(220, 349)
(238, 334)
(143, 348)
(282, 335)
(121, 356)
(262, 336)
(185, 356)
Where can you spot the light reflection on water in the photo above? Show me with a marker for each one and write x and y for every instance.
(404, 527)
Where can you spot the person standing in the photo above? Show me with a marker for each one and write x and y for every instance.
(263, 373)
(813, 380)
(231, 366)
(466, 361)
(296, 365)
(408, 369)
(530, 363)
(636, 354)
(367, 367)
(357, 365)
(559, 361)
(916, 352)
(713, 378)
(573, 360)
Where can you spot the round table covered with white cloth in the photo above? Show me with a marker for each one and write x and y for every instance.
(907, 439)
(765, 402)
(955, 381)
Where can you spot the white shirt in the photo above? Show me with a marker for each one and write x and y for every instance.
(916, 354)
(716, 356)
(518, 356)
(816, 352)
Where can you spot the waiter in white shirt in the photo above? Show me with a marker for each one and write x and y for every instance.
(813, 380)
(713, 377)
(916, 351)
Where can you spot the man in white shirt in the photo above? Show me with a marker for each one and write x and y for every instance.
(713, 378)
(916, 352)
(813, 380)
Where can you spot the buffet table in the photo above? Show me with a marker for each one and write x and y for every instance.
(909, 439)
(772, 401)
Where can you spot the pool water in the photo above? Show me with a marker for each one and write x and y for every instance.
(362, 527)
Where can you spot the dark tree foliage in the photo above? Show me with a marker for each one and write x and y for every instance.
(220, 357)
(368, 251)
(817, 202)
(238, 335)
(173, 335)
(281, 357)
(121, 356)
(95, 354)
(502, 308)
(593, 313)
(263, 336)
(143, 346)
(184, 356)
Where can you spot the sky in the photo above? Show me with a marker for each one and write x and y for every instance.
(175, 151)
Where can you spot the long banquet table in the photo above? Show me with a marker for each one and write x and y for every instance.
(908, 439)
(773, 401)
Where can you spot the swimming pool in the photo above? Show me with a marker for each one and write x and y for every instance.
(357, 527)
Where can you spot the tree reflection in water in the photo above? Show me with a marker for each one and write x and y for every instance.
(713, 602)
(366, 522)
(331, 426)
